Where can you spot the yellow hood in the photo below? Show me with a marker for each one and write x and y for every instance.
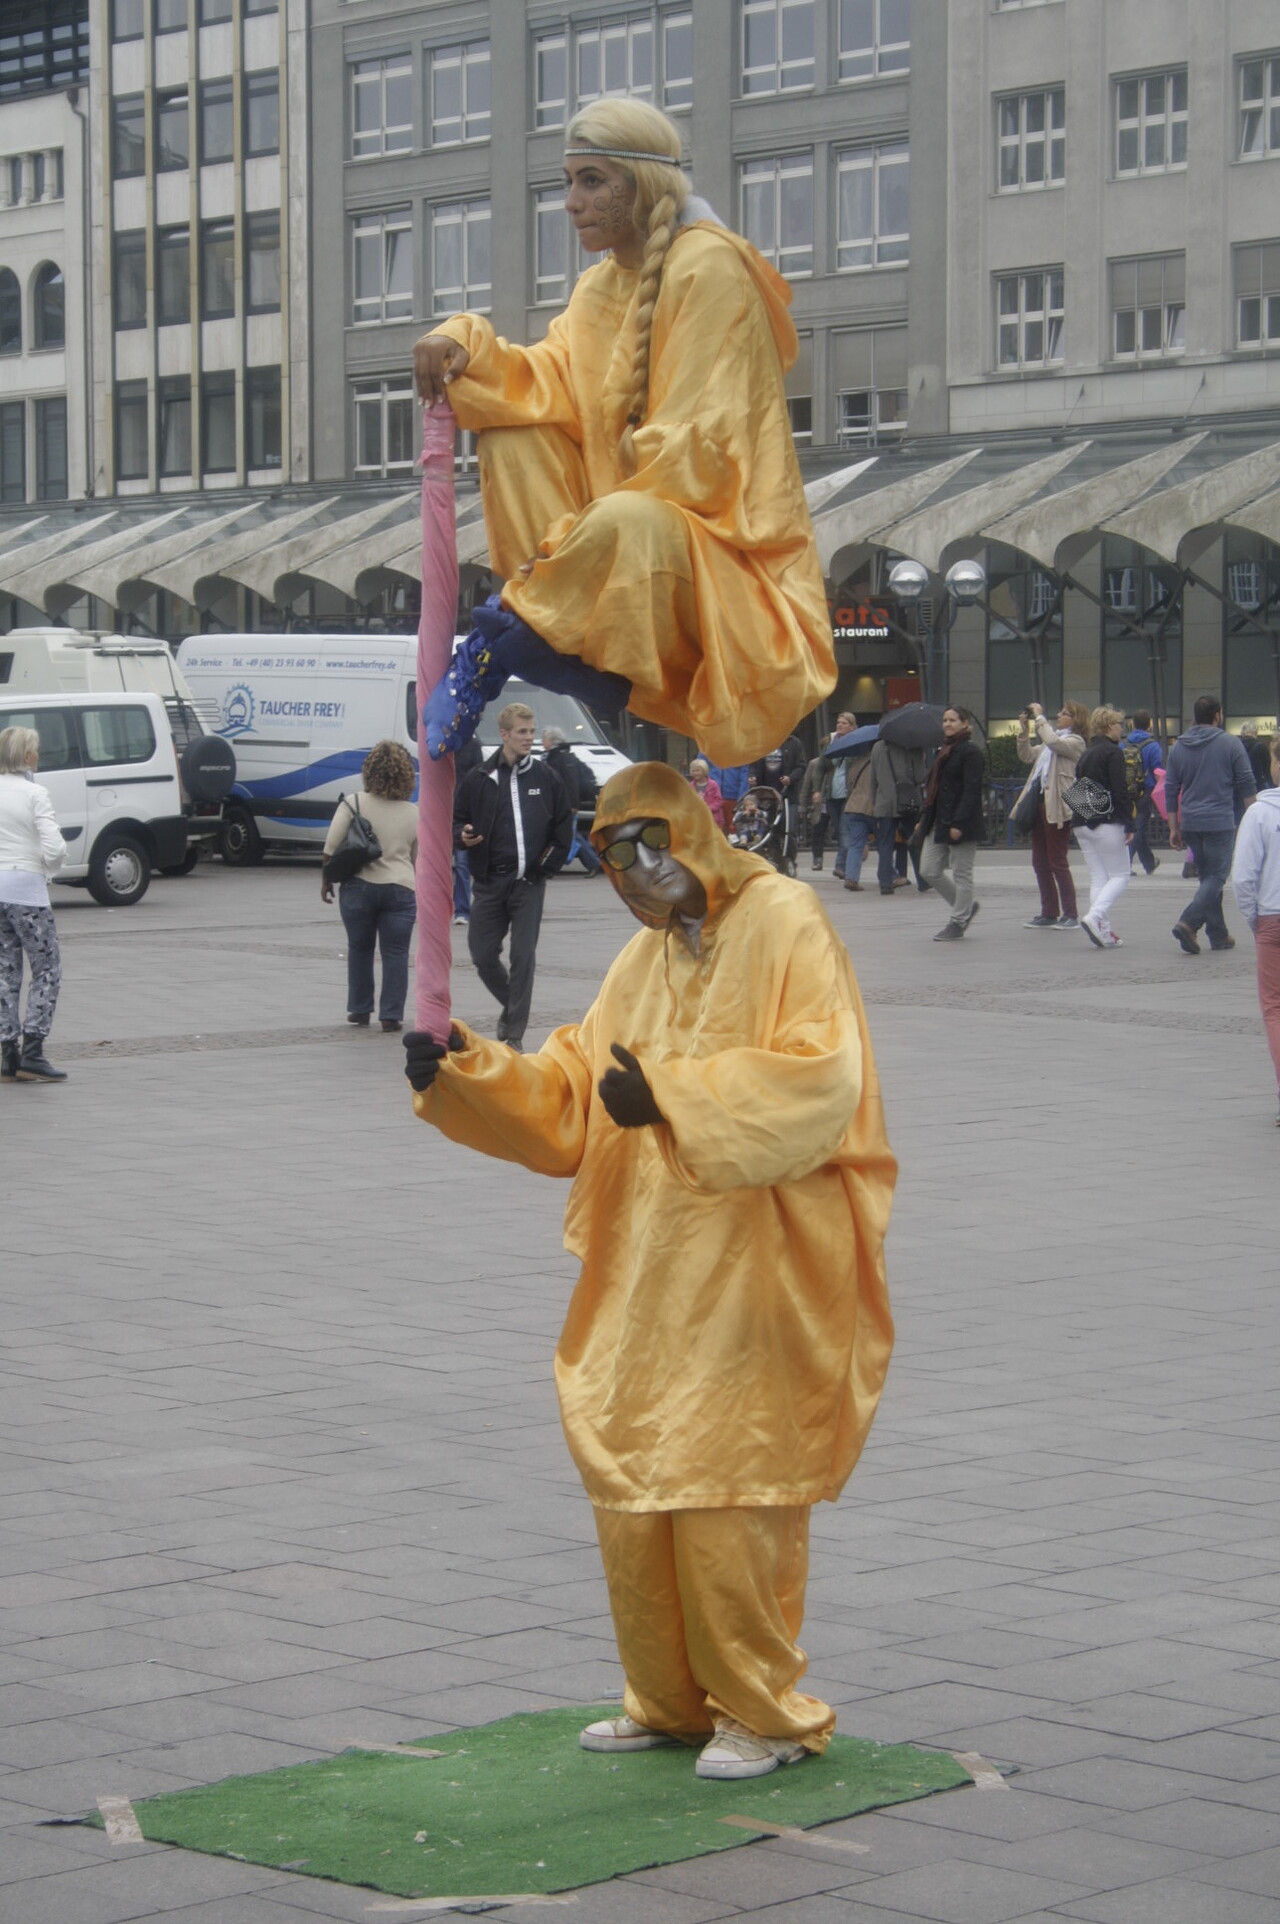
(652, 790)
(774, 292)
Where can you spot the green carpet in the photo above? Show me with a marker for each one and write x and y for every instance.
(518, 1806)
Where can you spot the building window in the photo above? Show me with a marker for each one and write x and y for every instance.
(173, 132)
(217, 121)
(460, 274)
(875, 38)
(386, 443)
(13, 451)
(557, 257)
(1256, 274)
(261, 6)
(173, 275)
(43, 49)
(460, 94)
(174, 446)
(49, 302)
(211, 12)
(1029, 318)
(170, 15)
(869, 378)
(262, 417)
(798, 388)
(128, 136)
(217, 269)
(1031, 140)
(262, 112)
(128, 19)
(10, 312)
(51, 448)
(262, 251)
(872, 200)
(1151, 122)
(1148, 306)
(218, 423)
(129, 279)
(1259, 107)
(131, 431)
(777, 46)
(1141, 626)
(572, 67)
(382, 266)
(382, 105)
(777, 210)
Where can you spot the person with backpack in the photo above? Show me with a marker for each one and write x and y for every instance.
(580, 785)
(1142, 758)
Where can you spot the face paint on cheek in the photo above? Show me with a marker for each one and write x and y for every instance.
(612, 209)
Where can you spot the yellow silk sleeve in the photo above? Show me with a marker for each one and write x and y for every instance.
(506, 386)
(526, 1109)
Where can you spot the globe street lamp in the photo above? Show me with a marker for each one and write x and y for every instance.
(965, 583)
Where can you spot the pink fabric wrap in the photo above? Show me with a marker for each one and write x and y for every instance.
(435, 779)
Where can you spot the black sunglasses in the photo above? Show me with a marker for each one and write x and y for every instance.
(621, 854)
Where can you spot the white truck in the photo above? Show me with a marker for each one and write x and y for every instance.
(303, 711)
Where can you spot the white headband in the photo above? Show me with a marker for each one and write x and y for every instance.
(619, 153)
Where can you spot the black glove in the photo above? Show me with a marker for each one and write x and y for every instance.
(423, 1056)
(626, 1095)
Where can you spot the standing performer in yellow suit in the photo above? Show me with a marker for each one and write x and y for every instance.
(729, 1334)
(640, 485)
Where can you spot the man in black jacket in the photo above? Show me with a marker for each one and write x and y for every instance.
(515, 821)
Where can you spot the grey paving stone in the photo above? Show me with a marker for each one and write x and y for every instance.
(1172, 1901)
(958, 1891)
(1098, 1857)
(755, 1876)
(1259, 1871)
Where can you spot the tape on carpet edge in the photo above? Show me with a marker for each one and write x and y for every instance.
(421, 1904)
(984, 1775)
(794, 1834)
(121, 1825)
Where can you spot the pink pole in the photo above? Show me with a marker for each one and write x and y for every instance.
(435, 779)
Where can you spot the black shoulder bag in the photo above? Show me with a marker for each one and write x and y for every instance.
(357, 849)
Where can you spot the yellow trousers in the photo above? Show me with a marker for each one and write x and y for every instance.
(617, 591)
(707, 1606)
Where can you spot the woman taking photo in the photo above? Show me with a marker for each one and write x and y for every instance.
(379, 905)
(951, 825)
(1054, 752)
(31, 849)
(641, 492)
(1105, 839)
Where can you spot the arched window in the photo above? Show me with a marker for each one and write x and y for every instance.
(10, 312)
(50, 302)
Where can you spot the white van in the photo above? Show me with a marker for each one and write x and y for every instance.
(303, 711)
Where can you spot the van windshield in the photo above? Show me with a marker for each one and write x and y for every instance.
(552, 711)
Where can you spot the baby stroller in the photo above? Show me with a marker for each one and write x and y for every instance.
(764, 823)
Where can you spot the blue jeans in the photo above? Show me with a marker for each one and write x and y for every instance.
(855, 833)
(584, 852)
(461, 883)
(1141, 848)
(377, 915)
(886, 831)
(1213, 848)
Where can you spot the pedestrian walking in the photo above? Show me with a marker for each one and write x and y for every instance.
(1141, 744)
(1208, 786)
(702, 783)
(1053, 751)
(1255, 877)
(580, 786)
(834, 789)
(811, 810)
(379, 904)
(469, 756)
(857, 819)
(1259, 757)
(515, 820)
(1104, 840)
(31, 850)
(951, 826)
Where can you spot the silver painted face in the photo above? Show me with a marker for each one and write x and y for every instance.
(656, 883)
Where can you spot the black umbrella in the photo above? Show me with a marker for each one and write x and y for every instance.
(918, 725)
(858, 741)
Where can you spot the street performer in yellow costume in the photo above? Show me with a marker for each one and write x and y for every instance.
(728, 1337)
(640, 486)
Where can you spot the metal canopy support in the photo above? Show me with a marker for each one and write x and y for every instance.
(927, 535)
(1163, 523)
(857, 522)
(1074, 515)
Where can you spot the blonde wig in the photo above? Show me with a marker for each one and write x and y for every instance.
(661, 193)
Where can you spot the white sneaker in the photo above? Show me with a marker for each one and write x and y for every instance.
(1095, 934)
(1113, 940)
(622, 1733)
(736, 1752)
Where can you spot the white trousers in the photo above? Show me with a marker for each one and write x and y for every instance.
(1106, 857)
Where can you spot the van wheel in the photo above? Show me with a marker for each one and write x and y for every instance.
(240, 843)
(188, 862)
(119, 871)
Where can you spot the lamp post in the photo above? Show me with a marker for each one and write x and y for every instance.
(965, 583)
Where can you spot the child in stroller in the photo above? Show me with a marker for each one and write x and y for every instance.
(764, 824)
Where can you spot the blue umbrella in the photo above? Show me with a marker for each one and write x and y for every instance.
(856, 742)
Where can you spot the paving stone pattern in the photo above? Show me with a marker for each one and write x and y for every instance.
(284, 1470)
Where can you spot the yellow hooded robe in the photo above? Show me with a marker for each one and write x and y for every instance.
(729, 1334)
(696, 577)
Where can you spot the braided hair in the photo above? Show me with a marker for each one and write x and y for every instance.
(661, 193)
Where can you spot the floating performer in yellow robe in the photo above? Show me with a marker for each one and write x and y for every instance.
(729, 1334)
(640, 485)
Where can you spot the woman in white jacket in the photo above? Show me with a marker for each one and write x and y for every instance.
(1255, 877)
(31, 849)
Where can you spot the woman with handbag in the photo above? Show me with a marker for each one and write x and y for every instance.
(376, 896)
(1103, 816)
(951, 826)
(1053, 753)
